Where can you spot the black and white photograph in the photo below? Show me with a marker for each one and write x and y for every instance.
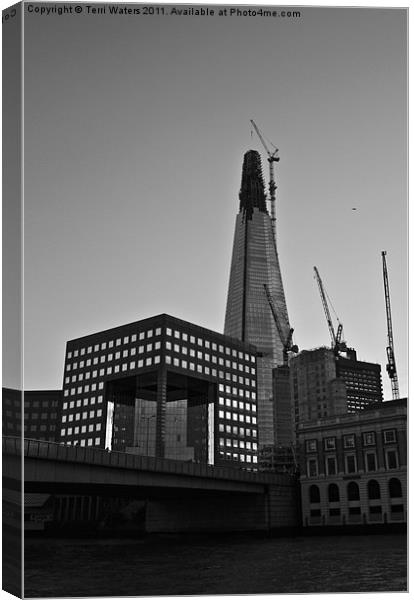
(205, 299)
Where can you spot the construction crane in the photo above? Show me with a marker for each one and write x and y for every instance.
(391, 366)
(287, 341)
(271, 157)
(336, 338)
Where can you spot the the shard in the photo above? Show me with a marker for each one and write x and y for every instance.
(249, 317)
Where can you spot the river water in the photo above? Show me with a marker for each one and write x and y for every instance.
(173, 565)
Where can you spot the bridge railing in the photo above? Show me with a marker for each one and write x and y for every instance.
(97, 456)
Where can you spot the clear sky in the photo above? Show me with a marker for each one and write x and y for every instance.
(135, 130)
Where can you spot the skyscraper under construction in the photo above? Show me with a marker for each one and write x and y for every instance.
(254, 265)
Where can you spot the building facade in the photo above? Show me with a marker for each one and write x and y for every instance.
(163, 387)
(325, 385)
(40, 414)
(255, 263)
(362, 380)
(354, 467)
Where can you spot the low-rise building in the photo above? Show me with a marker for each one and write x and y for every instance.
(31, 414)
(354, 467)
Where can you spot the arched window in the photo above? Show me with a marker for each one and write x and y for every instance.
(394, 487)
(314, 494)
(333, 492)
(374, 492)
(353, 491)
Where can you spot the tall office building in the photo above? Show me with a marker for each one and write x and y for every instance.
(255, 263)
(326, 385)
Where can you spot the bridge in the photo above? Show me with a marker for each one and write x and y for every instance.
(178, 496)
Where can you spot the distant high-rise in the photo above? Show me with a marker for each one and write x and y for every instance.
(324, 384)
(255, 263)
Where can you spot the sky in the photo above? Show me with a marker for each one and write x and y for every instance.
(135, 129)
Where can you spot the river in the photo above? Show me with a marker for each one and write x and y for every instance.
(174, 565)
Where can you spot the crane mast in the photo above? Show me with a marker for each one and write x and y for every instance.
(391, 365)
(286, 341)
(271, 157)
(337, 344)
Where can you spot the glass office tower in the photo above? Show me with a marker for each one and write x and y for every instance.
(249, 318)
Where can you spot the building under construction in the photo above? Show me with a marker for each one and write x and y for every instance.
(255, 264)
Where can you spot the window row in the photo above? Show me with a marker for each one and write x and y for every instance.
(239, 457)
(93, 387)
(37, 428)
(237, 417)
(128, 339)
(183, 364)
(236, 391)
(239, 431)
(35, 403)
(115, 369)
(389, 436)
(185, 337)
(350, 463)
(33, 416)
(82, 416)
(83, 402)
(237, 404)
(113, 356)
(80, 429)
(86, 442)
(229, 364)
(238, 444)
(353, 491)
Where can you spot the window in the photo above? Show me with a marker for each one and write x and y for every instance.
(350, 463)
(329, 443)
(353, 491)
(394, 488)
(371, 461)
(374, 492)
(314, 494)
(369, 438)
(312, 467)
(331, 465)
(389, 436)
(333, 492)
(375, 510)
(349, 441)
(392, 459)
(310, 445)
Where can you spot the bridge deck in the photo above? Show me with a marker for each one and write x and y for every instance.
(95, 456)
